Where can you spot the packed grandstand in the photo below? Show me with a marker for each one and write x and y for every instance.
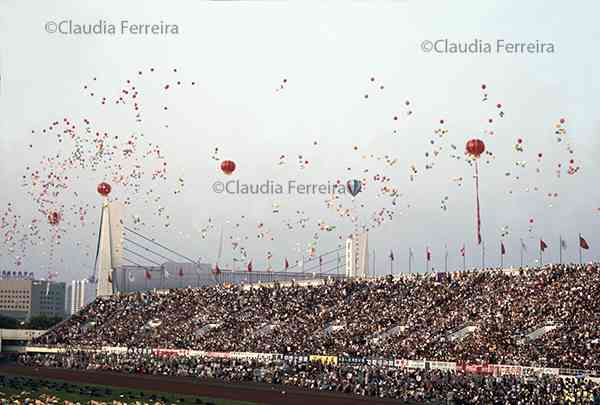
(476, 336)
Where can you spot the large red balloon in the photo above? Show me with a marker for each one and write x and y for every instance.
(104, 189)
(54, 217)
(227, 166)
(475, 147)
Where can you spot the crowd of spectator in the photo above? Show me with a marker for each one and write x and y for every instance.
(482, 316)
(410, 386)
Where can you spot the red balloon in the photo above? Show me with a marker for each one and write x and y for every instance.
(54, 217)
(228, 167)
(104, 189)
(475, 147)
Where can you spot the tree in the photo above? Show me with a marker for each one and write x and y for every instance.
(7, 322)
(42, 322)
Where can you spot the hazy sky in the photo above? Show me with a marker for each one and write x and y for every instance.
(239, 52)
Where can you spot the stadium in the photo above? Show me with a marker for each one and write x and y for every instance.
(243, 202)
(468, 337)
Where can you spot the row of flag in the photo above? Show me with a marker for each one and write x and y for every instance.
(583, 244)
(216, 270)
(543, 245)
(148, 275)
(286, 266)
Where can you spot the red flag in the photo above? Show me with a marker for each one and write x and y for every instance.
(148, 275)
(428, 255)
(180, 272)
(249, 266)
(583, 243)
(543, 245)
(462, 251)
(502, 249)
(287, 265)
(217, 270)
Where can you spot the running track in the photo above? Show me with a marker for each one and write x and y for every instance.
(259, 393)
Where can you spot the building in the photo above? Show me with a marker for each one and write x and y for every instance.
(26, 298)
(357, 255)
(15, 340)
(79, 294)
(128, 279)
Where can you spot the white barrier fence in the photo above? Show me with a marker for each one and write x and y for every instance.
(488, 369)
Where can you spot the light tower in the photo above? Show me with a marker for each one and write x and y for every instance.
(110, 242)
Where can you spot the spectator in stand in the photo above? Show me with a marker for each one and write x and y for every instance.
(478, 316)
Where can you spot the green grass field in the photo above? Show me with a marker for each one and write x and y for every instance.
(26, 387)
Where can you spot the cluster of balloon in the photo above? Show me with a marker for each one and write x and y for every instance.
(54, 217)
(227, 167)
(104, 189)
(354, 187)
(474, 148)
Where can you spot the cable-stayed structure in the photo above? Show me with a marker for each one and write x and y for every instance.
(150, 264)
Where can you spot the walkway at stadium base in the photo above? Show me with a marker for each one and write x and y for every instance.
(259, 393)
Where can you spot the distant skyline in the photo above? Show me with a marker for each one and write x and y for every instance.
(290, 78)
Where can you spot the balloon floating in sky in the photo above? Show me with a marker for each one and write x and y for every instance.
(53, 218)
(228, 167)
(104, 189)
(354, 187)
(475, 147)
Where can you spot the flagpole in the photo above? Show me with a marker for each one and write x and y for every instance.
(541, 253)
(464, 259)
(337, 266)
(560, 249)
(427, 254)
(580, 253)
(446, 260)
(482, 254)
(409, 261)
(521, 252)
(391, 266)
(373, 270)
(501, 258)
(320, 266)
